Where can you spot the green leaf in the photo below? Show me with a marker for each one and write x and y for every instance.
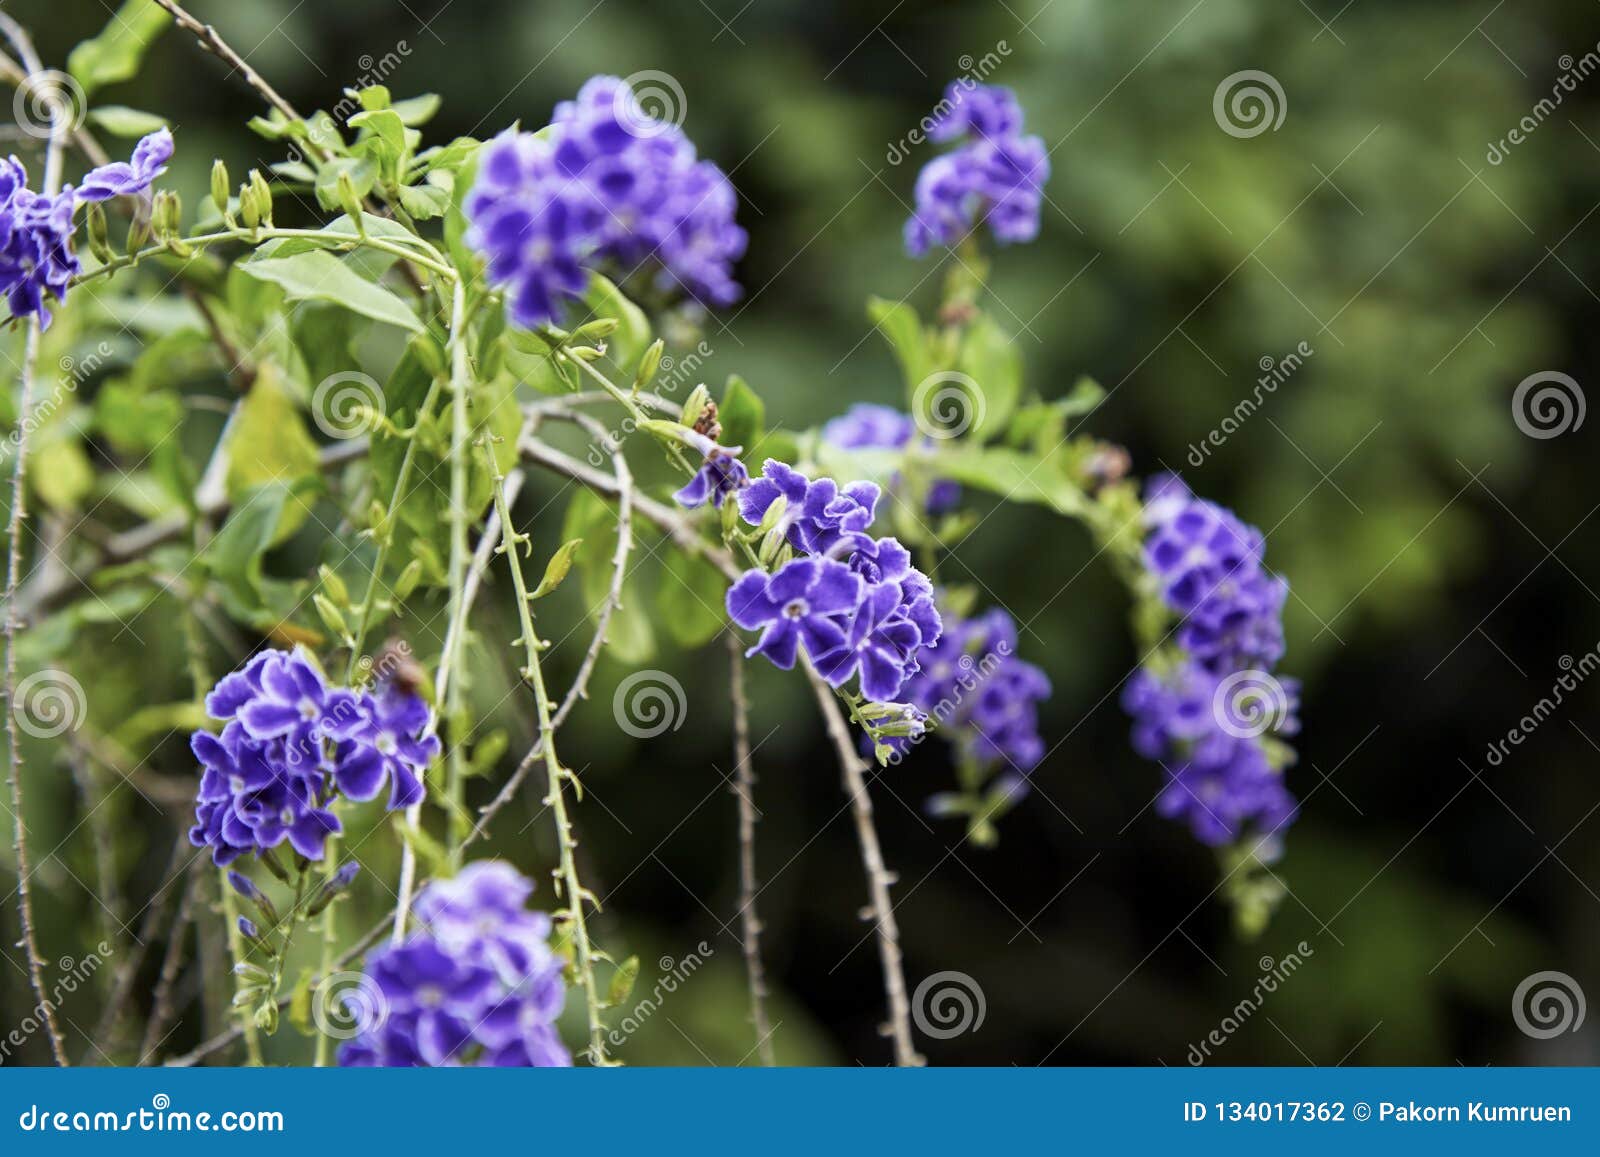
(268, 442)
(121, 121)
(363, 175)
(899, 323)
(989, 356)
(386, 133)
(622, 982)
(556, 569)
(416, 110)
(424, 202)
(632, 334)
(116, 53)
(690, 599)
(320, 276)
(62, 475)
(1013, 475)
(743, 415)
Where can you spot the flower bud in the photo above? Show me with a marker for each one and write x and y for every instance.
(99, 237)
(648, 364)
(219, 187)
(263, 192)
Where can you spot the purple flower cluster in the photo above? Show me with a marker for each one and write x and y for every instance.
(607, 183)
(997, 176)
(854, 602)
(36, 255)
(477, 984)
(290, 743)
(1205, 712)
(866, 426)
(982, 696)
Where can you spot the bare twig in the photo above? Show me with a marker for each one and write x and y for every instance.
(744, 788)
(161, 1004)
(879, 878)
(30, 362)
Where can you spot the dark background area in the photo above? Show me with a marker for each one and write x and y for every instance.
(1442, 563)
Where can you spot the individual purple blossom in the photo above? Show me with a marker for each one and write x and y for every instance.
(806, 603)
(606, 184)
(476, 984)
(720, 474)
(124, 178)
(1219, 779)
(393, 741)
(817, 515)
(869, 426)
(283, 695)
(880, 643)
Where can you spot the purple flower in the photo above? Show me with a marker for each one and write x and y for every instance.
(720, 475)
(285, 696)
(983, 697)
(124, 178)
(250, 800)
(808, 602)
(880, 644)
(1219, 778)
(291, 743)
(606, 184)
(983, 110)
(393, 740)
(477, 984)
(36, 255)
(997, 177)
(1211, 572)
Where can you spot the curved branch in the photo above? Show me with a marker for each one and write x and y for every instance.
(879, 878)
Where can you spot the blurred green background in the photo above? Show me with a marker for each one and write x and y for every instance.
(1442, 562)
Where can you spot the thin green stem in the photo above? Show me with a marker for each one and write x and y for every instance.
(557, 775)
(627, 402)
(450, 676)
